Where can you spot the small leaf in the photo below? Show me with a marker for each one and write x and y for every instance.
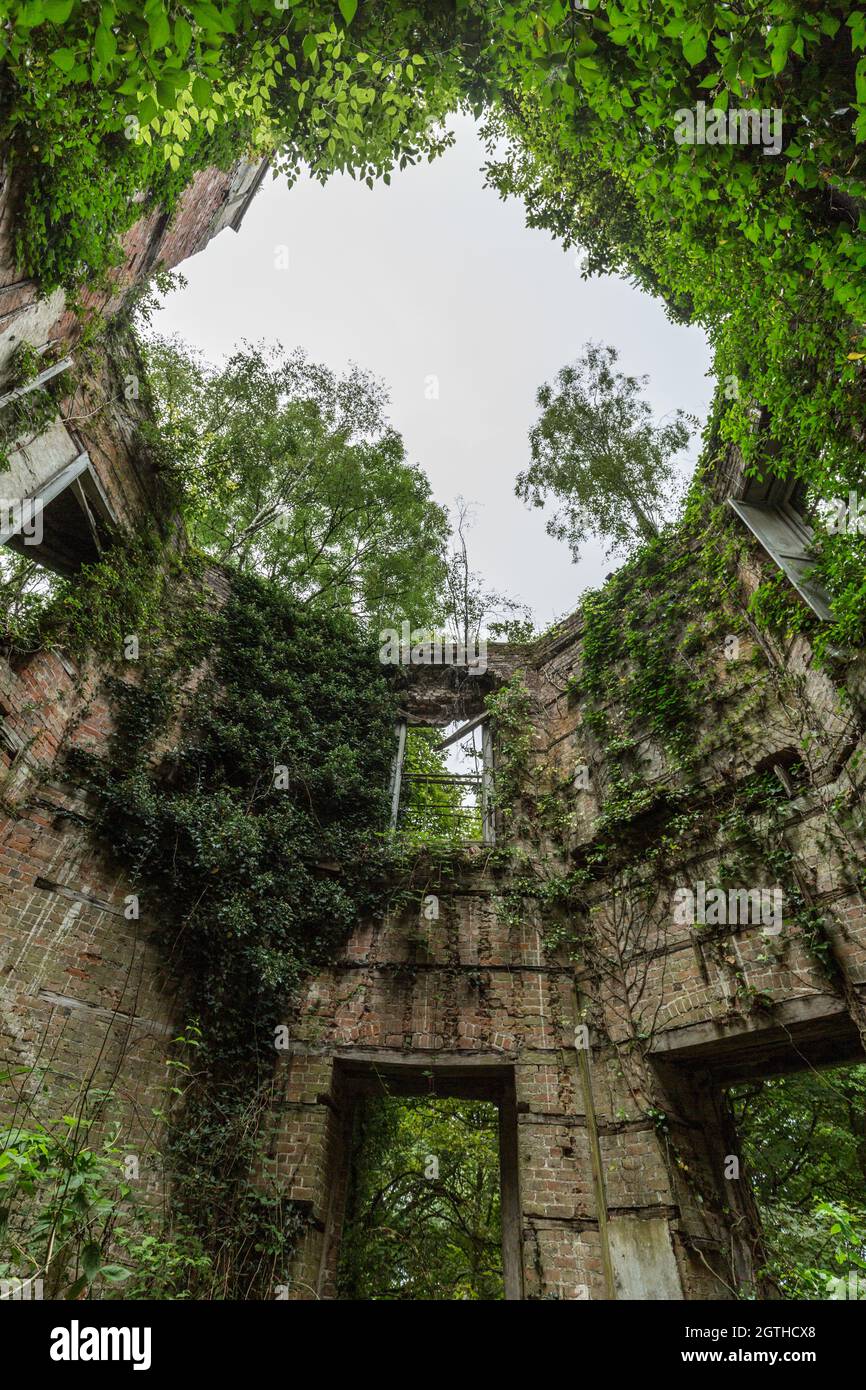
(58, 11)
(91, 1256)
(695, 47)
(182, 37)
(158, 29)
(105, 44)
(201, 92)
(64, 58)
(347, 9)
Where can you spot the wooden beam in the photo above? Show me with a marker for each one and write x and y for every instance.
(462, 731)
(397, 771)
(37, 381)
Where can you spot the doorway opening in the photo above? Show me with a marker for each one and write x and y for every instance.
(803, 1143)
(424, 1219)
(430, 1206)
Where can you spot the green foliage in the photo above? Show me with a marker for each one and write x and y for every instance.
(775, 605)
(840, 566)
(102, 104)
(59, 1202)
(82, 189)
(597, 452)
(590, 96)
(25, 591)
(424, 1218)
(256, 840)
(173, 1267)
(120, 595)
(638, 632)
(285, 470)
(804, 1146)
(25, 418)
(765, 251)
(510, 710)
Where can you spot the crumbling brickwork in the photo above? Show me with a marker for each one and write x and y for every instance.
(606, 1039)
(621, 1152)
(86, 1000)
(26, 315)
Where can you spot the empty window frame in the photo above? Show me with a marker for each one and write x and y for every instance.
(65, 523)
(770, 510)
(442, 785)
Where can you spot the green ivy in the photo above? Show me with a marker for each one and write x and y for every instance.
(257, 841)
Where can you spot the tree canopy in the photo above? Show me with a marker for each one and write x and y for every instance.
(804, 1143)
(598, 453)
(293, 473)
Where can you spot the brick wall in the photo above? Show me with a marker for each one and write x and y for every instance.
(620, 1153)
(621, 1162)
(618, 1179)
(26, 315)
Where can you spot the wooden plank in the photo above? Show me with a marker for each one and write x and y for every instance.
(462, 731)
(488, 816)
(37, 381)
(397, 771)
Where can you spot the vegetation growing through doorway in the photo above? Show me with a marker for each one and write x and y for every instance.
(424, 1217)
(804, 1148)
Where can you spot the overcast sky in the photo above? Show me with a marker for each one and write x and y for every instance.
(434, 276)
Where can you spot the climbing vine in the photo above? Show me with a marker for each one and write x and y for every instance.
(254, 837)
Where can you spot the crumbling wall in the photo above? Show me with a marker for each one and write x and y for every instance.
(214, 199)
(86, 999)
(621, 1032)
(612, 1025)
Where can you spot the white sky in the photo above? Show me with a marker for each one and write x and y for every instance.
(435, 276)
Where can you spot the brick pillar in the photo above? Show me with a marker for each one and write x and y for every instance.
(304, 1160)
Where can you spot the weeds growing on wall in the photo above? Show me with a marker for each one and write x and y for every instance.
(122, 594)
(669, 673)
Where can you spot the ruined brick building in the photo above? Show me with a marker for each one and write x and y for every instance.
(608, 1065)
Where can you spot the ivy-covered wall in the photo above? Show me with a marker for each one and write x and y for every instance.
(197, 950)
(660, 742)
(229, 787)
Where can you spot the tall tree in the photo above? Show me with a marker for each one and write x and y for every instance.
(295, 473)
(597, 451)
